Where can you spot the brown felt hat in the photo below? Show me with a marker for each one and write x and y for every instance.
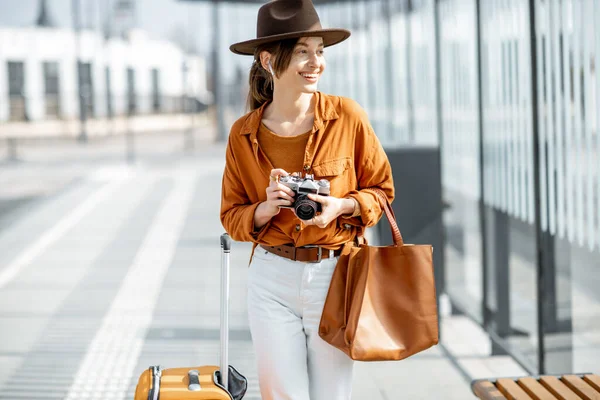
(287, 19)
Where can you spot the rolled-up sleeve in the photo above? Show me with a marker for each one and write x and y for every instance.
(237, 211)
(373, 170)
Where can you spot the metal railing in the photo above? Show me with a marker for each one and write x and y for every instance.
(40, 107)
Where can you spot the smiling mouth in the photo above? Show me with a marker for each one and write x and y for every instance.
(310, 76)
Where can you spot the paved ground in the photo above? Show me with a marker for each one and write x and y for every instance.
(107, 267)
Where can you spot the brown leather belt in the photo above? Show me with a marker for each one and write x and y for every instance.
(311, 254)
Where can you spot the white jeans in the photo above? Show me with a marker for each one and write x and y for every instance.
(285, 301)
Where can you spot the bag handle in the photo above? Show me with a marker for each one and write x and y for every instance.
(389, 213)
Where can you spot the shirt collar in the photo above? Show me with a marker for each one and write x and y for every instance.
(324, 111)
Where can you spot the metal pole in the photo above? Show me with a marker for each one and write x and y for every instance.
(80, 88)
(440, 130)
(482, 219)
(192, 106)
(537, 191)
(353, 84)
(131, 100)
(372, 65)
(410, 101)
(187, 106)
(219, 102)
(362, 67)
(107, 69)
(184, 108)
(129, 141)
(131, 91)
(389, 70)
(11, 143)
(225, 266)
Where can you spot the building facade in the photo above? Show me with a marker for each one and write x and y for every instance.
(48, 73)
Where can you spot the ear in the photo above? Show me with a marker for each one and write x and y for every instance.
(265, 56)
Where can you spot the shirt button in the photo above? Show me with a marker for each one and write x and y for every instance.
(347, 226)
(306, 167)
(297, 227)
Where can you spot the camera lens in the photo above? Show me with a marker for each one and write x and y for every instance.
(305, 208)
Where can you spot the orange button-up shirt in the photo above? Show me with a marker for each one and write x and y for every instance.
(342, 148)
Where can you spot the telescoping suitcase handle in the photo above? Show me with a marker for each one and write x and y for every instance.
(225, 252)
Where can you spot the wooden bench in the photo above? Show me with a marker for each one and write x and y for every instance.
(545, 387)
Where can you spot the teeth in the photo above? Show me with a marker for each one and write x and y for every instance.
(309, 76)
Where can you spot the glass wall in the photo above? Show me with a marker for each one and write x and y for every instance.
(568, 54)
(460, 148)
(509, 184)
(520, 148)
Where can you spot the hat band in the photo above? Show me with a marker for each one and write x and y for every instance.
(314, 27)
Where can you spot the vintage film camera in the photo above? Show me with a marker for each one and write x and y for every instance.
(304, 207)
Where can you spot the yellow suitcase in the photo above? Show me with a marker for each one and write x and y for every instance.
(202, 382)
(193, 383)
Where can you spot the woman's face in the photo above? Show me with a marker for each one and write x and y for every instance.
(306, 66)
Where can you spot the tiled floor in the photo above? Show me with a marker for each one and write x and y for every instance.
(116, 267)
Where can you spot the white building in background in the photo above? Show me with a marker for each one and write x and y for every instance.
(137, 76)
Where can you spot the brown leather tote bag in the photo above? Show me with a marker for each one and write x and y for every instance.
(381, 303)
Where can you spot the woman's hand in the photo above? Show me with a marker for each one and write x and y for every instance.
(278, 195)
(331, 209)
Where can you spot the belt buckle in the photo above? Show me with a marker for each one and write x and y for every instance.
(319, 252)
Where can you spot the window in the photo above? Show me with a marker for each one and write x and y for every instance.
(155, 90)
(131, 100)
(16, 91)
(109, 103)
(52, 88)
(86, 88)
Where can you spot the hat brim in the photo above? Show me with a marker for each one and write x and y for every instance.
(330, 37)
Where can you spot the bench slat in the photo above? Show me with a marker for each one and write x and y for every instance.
(534, 389)
(486, 390)
(557, 388)
(511, 390)
(593, 381)
(579, 386)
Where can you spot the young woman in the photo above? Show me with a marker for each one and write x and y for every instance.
(293, 128)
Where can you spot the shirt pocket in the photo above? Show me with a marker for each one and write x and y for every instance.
(339, 173)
